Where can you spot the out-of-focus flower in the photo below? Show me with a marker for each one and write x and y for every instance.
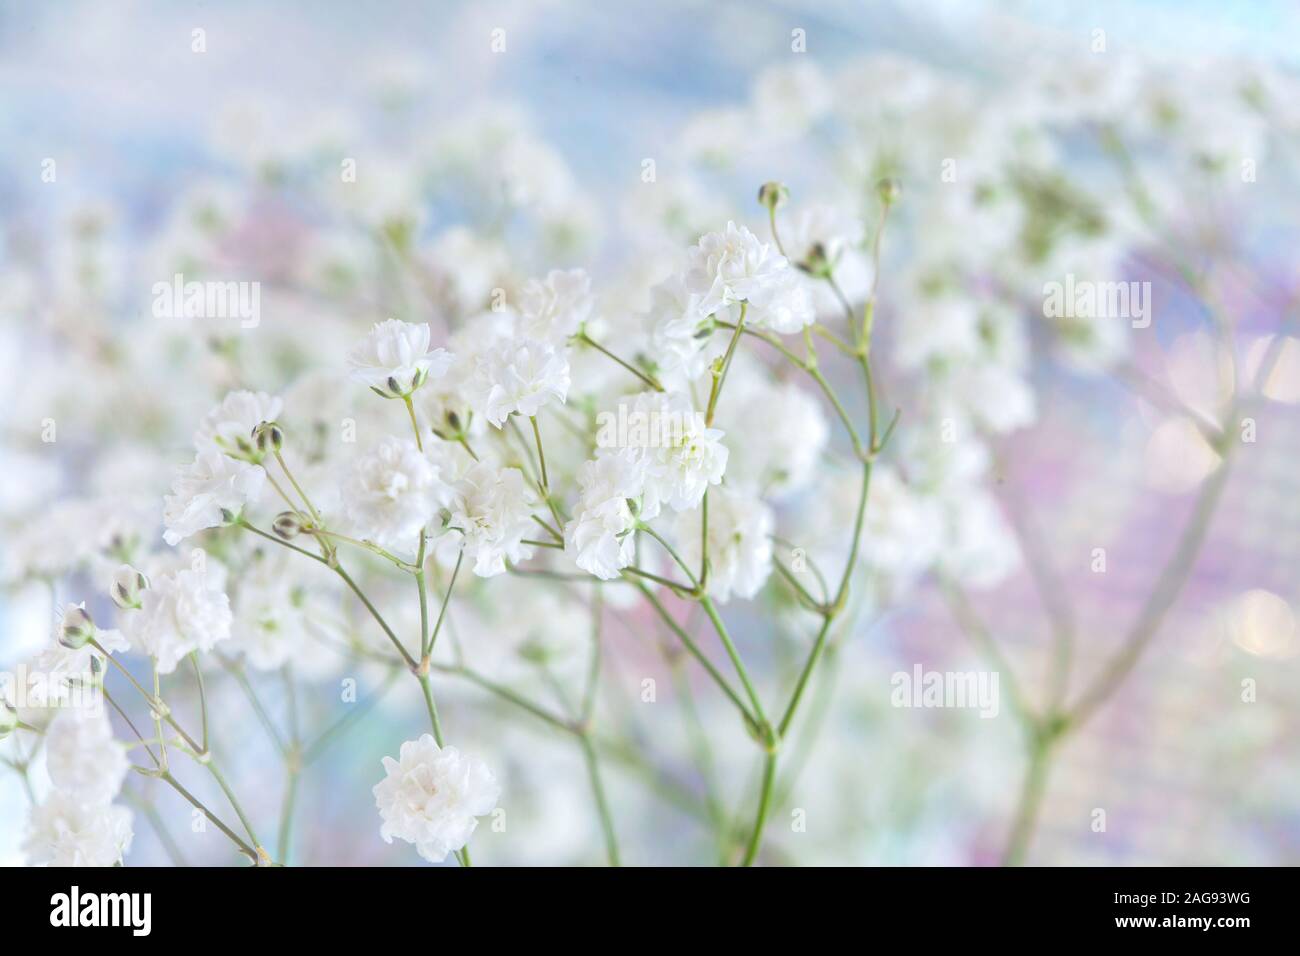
(740, 543)
(518, 376)
(492, 509)
(179, 613)
(431, 796)
(599, 538)
(82, 757)
(554, 308)
(126, 587)
(395, 358)
(229, 427)
(680, 332)
(392, 492)
(776, 432)
(209, 492)
(63, 831)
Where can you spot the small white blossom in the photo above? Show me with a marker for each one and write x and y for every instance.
(680, 332)
(492, 509)
(740, 543)
(734, 266)
(431, 796)
(518, 375)
(395, 358)
(599, 538)
(681, 456)
(556, 307)
(63, 831)
(82, 757)
(392, 492)
(179, 613)
(207, 493)
(228, 428)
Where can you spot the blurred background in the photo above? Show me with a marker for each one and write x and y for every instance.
(1139, 141)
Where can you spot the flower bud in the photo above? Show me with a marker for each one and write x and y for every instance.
(269, 437)
(127, 585)
(287, 525)
(772, 196)
(889, 190)
(817, 263)
(453, 421)
(77, 629)
(8, 720)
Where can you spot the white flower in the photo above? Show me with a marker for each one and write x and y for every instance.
(63, 831)
(740, 543)
(776, 432)
(726, 268)
(518, 375)
(392, 492)
(680, 331)
(268, 626)
(394, 358)
(229, 427)
(179, 613)
(61, 666)
(82, 757)
(789, 99)
(431, 796)
(493, 510)
(209, 492)
(599, 538)
(556, 307)
(681, 456)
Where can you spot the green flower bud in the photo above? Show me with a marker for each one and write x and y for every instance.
(269, 437)
(287, 525)
(77, 629)
(889, 190)
(772, 196)
(127, 585)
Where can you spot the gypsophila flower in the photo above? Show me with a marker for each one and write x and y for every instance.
(681, 456)
(392, 492)
(82, 757)
(63, 666)
(63, 831)
(740, 543)
(179, 613)
(680, 330)
(228, 428)
(554, 308)
(492, 509)
(395, 359)
(209, 492)
(518, 376)
(431, 796)
(734, 266)
(599, 538)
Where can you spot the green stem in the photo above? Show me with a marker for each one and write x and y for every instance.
(643, 376)
(720, 377)
(764, 806)
(602, 803)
